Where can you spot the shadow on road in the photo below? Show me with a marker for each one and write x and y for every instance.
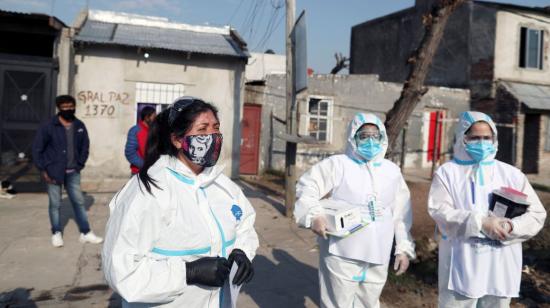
(19, 297)
(262, 193)
(284, 283)
(66, 212)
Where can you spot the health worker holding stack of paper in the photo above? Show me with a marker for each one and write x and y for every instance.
(353, 269)
(480, 254)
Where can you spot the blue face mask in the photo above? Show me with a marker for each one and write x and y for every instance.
(478, 151)
(369, 148)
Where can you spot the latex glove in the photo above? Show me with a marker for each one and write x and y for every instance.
(208, 271)
(401, 264)
(319, 225)
(509, 226)
(245, 272)
(496, 228)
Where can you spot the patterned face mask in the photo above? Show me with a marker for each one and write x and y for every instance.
(202, 150)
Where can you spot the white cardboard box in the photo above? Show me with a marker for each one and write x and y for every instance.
(340, 215)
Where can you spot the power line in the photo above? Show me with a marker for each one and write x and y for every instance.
(272, 31)
(271, 24)
(248, 18)
(259, 13)
(235, 12)
(268, 27)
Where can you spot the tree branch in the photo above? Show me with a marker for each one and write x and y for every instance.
(420, 61)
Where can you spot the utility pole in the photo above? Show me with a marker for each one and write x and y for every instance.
(290, 153)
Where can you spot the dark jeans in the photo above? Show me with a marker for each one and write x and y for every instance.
(72, 185)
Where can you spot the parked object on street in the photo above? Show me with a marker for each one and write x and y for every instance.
(60, 151)
(177, 227)
(480, 254)
(354, 269)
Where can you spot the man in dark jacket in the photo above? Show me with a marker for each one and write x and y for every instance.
(60, 151)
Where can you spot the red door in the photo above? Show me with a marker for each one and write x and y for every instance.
(250, 142)
(431, 136)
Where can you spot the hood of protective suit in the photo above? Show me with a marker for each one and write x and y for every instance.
(465, 121)
(359, 120)
(205, 178)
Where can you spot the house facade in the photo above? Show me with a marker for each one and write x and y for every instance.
(29, 72)
(122, 62)
(497, 51)
(328, 105)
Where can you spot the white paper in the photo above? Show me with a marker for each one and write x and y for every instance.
(232, 288)
(500, 209)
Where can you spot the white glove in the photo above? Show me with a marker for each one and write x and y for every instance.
(319, 225)
(401, 264)
(496, 228)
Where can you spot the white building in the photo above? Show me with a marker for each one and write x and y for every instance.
(120, 62)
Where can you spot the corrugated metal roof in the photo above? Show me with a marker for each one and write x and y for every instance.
(153, 37)
(52, 20)
(532, 95)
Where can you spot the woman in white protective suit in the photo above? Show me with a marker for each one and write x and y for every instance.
(480, 255)
(353, 270)
(176, 228)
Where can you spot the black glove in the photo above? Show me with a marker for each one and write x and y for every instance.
(245, 271)
(208, 271)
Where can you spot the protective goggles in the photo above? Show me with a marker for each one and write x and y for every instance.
(470, 139)
(180, 104)
(364, 135)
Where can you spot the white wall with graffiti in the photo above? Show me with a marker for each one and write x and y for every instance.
(109, 81)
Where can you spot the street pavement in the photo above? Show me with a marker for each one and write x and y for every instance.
(35, 274)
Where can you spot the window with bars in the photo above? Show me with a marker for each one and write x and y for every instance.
(531, 52)
(156, 95)
(319, 118)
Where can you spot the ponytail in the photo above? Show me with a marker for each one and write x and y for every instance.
(172, 120)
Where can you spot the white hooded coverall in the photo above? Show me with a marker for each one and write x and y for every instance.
(353, 270)
(475, 271)
(149, 238)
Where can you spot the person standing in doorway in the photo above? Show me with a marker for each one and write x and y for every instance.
(137, 139)
(60, 151)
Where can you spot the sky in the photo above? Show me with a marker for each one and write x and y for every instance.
(260, 22)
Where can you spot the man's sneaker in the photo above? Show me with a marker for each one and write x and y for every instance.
(57, 239)
(90, 237)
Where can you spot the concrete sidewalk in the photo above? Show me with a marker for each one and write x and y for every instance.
(35, 274)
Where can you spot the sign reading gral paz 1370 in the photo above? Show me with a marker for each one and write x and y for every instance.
(99, 104)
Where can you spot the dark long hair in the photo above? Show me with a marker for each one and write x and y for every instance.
(177, 119)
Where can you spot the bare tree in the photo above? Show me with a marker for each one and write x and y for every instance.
(341, 63)
(413, 88)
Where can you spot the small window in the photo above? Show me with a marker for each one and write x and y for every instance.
(531, 50)
(319, 112)
(156, 95)
(547, 143)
